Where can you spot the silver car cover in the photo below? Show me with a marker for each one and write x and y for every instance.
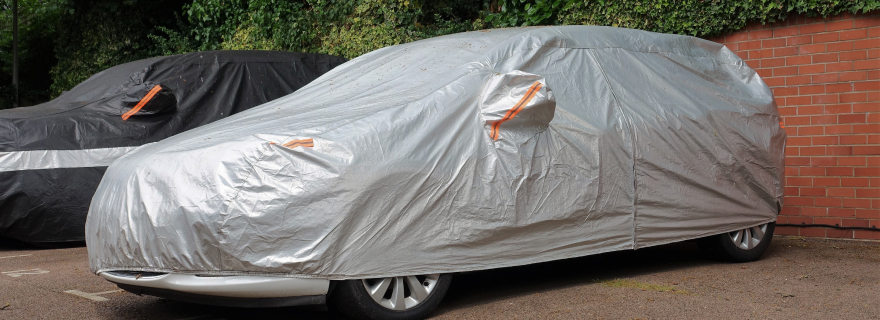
(464, 152)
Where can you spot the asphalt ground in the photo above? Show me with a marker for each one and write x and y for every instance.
(796, 279)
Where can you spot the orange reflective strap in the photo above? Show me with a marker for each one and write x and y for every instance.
(305, 143)
(141, 103)
(781, 125)
(519, 106)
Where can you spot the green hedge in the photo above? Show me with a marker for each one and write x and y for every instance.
(98, 37)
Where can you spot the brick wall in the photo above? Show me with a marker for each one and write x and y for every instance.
(825, 75)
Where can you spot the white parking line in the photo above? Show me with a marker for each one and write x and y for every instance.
(19, 273)
(92, 296)
(24, 255)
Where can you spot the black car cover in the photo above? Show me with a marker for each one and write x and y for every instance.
(53, 155)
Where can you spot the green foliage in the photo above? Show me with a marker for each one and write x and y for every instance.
(346, 27)
(36, 30)
(690, 17)
(97, 34)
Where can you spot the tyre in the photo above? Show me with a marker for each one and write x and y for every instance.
(739, 246)
(394, 298)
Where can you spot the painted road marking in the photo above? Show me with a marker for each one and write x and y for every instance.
(92, 296)
(24, 255)
(19, 273)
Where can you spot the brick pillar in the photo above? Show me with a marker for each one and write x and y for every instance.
(825, 75)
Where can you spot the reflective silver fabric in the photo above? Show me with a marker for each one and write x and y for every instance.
(57, 159)
(464, 152)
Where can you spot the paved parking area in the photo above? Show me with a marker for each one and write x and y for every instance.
(797, 279)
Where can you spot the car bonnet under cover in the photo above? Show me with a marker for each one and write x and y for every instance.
(464, 152)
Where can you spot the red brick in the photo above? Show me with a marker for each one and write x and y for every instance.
(823, 119)
(739, 36)
(867, 193)
(812, 151)
(838, 233)
(786, 231)
(812, 192)
(823, 161)
(865, 22)
(866, 128)
(851, 161)
(855, 139)
(787, 71)
(874, 139)
(791, 151)
(874, 53)
(811, 48)
(811, 131)
(775, 43)
(825, 140)
(838, 108)
(818, 68)
(838, 129)
(840, 87)
(872, 74)
(785, 91)
(867, 150)
(790, 211)
(854, 55)
(811, 171)
(853, 76)
(812, 232)
(791, 131)
(825, 57)
(853, 97)
(853, 34)
(826, 37)
(815, 89)
(790, 51)
(799, 141)
(867, 214)
(825, 78)
(860, 44)
(797, 80)
(841, 192)
(857, 203)
(815, 212)
(831, 221)
(867, 64)
(873, 95)
(826, 182)
(874, 161)
(867, 86)
(841, 212)
(841, 46)
(851, 118)
(772, 62)
(793, 41)
(749, 45)
(854, 182)
(839, 66)
(764, 73)
(805, 201)
(855, 223)
(787, 111)
(839, 25)
(826, 98)
(873, 118)
(866, 107)
(866, 235)
(798, 181)
(874, 32)
(839, 150)
(827, 202)
(785, 32)
(813, 28)
(758, 54)
(774, 82)
(797, 60)
(797, 161)
(803, 107)
(762, 34)
(868, 171)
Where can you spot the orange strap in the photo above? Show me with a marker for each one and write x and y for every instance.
(781, 125)
(516, 109)
(141, 103)
(305, 143)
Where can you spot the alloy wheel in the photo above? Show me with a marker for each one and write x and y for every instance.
(401, 293)
(748, 238)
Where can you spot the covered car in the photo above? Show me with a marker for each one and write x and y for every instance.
(53, 155)
(464, 152)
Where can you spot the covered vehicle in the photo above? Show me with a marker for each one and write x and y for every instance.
(53, 155)
(464, 152)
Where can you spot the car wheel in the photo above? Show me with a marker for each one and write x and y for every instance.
(398, 298)
(740, 246)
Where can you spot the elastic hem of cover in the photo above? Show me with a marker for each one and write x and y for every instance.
(630, 246)
(226, 301)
